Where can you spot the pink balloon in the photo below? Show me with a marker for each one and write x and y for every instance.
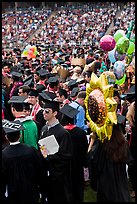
(107, 43)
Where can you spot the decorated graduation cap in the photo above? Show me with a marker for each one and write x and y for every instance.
(69, 111)
(11, 127)
(101, 106)
(33, 92)
(50, 102)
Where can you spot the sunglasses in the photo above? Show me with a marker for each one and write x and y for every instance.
(46, 111)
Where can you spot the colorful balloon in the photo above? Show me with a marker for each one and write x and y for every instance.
(119, 57)
(111, 78)
(111, 56)
(122, 45)
(121, 81)
(107, 43)
(131, 48)
(25, 52)
(119, 69)
(118, 34)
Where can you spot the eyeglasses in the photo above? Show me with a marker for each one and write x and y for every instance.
(20, 92)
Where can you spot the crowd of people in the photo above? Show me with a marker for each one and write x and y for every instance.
(18, 26)
(45, 96)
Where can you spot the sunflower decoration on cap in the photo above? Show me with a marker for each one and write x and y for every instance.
(101, 106)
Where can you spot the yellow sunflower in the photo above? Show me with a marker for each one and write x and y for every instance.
(101, 106)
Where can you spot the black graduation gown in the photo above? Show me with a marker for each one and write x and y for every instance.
(59, 165)
(24, 174)
(112, 182)
(80, 148)
(40, 121)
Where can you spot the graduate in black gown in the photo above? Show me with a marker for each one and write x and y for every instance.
(59, 163)
(108, 163)
(80, 148)
(23, 171)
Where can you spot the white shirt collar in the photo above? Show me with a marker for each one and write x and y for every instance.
(55, 123)
(14, 143)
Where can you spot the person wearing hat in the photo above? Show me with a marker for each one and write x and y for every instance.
(17, 81)
(79, 105)
(80, 147)
(59, 163)
(36, 110)
(53, 84)
(43, 77)
(74, 93)
(19, 106)
(23, 170)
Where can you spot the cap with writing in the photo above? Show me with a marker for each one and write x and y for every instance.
(11, 126)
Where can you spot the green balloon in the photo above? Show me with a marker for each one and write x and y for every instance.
(122, 45)
(131, 48)
(132, 40)
(121, 81)
(117, 36)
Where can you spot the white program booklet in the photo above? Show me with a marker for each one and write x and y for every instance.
(50, 143)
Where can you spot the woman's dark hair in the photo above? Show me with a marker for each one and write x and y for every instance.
(117, 147)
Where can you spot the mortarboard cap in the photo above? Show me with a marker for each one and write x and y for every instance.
(74, 92)
(54, 104)
(69, 111)
(72, 82)
(40, 87)
(50, 94)
(120, 119)
(29, 83)
(49, 102)
(18, 99)
(11, 127)
(33, 92)
(44, 96)
(42, 72)
(53, 79)
(16, 75)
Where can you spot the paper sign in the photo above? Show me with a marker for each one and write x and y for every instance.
(50, 143)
